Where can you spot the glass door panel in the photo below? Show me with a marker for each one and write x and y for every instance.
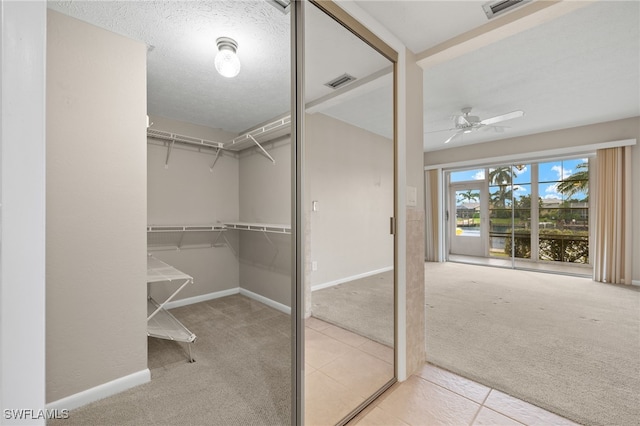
(466, 225)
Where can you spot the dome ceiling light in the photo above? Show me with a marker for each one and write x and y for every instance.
(227, 62)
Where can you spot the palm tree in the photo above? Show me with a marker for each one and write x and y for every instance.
(469, 196)
(501, 177)
(577, 182)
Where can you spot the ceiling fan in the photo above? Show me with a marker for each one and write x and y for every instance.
(467, 123)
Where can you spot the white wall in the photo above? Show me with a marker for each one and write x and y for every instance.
(265, 197)
(187, 192)
(22, 204)
(572, 139)
(349, 172)
(96, 206)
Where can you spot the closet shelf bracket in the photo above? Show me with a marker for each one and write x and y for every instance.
(178, 237)
(215, 160)
(169, 148)
(264, 151)
(263, 228)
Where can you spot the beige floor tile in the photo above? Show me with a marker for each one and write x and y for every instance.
(487, 417)
(379, 417)
(460, 385)
(321, 349)
(345, 336)
(315, 323)
(362, 373)
(327, 401)
(378, 350)
(522, 411)
(308, 369)
(419, 402)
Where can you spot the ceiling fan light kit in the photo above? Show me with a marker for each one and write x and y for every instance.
(467, 123)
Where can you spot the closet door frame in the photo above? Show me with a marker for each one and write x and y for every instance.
(297, 221)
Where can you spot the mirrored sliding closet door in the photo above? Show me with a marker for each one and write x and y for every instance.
(348, 203)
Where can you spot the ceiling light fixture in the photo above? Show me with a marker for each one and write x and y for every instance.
(227, 62)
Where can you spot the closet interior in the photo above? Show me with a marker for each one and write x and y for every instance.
(219, 209)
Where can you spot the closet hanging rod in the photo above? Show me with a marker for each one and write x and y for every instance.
(188, 140)
(189, 228)
(280, 125)
(260, 227)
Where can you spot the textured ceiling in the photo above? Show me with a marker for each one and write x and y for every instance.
(183, 84)
(181, 79)
(577, 69)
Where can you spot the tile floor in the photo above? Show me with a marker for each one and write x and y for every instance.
(434, 396)
(343, 369)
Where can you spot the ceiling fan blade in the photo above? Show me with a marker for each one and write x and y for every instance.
(497, 129)
(441, 130)
(503, 117)
(459, 132)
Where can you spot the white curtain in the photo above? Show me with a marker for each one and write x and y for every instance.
(612, 236)
(432, 240)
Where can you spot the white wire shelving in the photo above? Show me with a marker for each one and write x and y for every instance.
(253, 138)
(259, 227)
(171, 237)
(160, 322)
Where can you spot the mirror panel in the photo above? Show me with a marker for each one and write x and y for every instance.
(348, 202)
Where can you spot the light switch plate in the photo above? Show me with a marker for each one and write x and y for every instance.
(412, 196)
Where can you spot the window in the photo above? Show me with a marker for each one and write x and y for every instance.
(564, 211)
(537, 211)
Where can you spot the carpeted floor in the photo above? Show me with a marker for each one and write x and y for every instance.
(566, 344)
(363, 306)
(241, 375)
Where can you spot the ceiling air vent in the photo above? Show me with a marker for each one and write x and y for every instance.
(494, 8)
(338, 82)
(282, 5)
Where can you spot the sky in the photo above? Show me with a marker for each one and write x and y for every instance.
(549, 174)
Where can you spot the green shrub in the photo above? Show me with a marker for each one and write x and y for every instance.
(554, 244)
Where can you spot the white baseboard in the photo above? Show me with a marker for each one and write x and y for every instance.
(237, 290)
(635, 282)
(101, 391)
(272, 303)
(202, 298)
(351, 278)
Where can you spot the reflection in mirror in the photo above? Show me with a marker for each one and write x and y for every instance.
(349, 200)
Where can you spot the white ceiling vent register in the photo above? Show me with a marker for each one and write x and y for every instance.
(282, 5)
(338, 82)
(494, 8)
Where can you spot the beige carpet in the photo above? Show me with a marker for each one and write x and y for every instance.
(566, 344)
(363, 306)
(241, 375)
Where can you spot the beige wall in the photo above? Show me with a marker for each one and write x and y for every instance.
(415, 220)
(187, 192)
(573, 138)
(349, 172)
(265, 197)
(96, 207)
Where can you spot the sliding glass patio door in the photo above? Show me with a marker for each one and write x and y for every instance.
(537, 215)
